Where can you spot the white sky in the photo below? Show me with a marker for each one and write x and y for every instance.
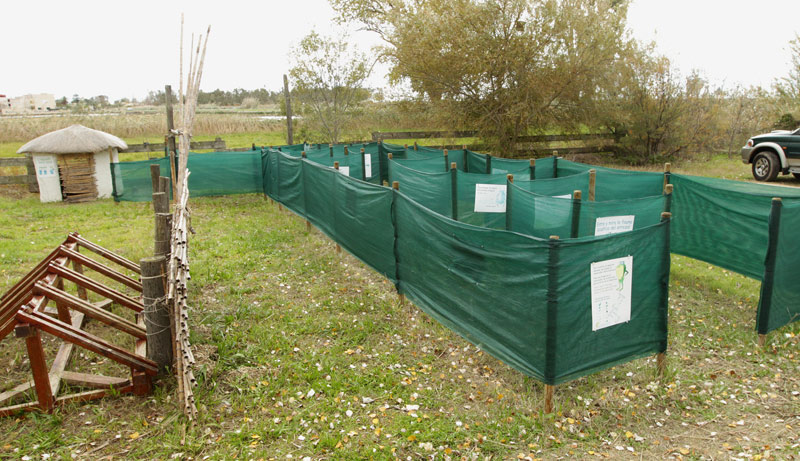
(91, 47)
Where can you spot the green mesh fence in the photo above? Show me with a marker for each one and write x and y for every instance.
(543, 216)
(216, 173)
(526, 301)
(724, 222)
(780, 297)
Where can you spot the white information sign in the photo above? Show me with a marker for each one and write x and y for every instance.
(490, 198)
(345, 170)
(367, 165)
(611, 292)
(613, 225)
(45, 165)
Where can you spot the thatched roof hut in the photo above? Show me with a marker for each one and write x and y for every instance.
(74, 163)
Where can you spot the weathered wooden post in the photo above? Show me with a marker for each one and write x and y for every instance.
(509, 183)
(533, 169)
(592, 184)
(454, 191)
(446, 163)
(155, 173)
(170, 130)
(667, 173)
(288, 99)
(401, 297)
(156, 312)
(364, 165)
(552, 323)
(576, 213)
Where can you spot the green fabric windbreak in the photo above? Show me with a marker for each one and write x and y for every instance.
(521, 169)
(558, 187)
(724, 222)
(225, 173)
(132, 181)
(527, 301)
(779, 303)
(543, 216)
(577, 350)
(467, 183)
(476, 163)
(428, 165)
(431, 190)
(620, 185)
(215, 173)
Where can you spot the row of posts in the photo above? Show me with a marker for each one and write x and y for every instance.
(157, 318)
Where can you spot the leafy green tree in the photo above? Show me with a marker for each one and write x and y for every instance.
(788, 89)
(501, 66)
(328, 78)
(656, 114)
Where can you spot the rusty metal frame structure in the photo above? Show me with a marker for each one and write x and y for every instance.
(24, 310)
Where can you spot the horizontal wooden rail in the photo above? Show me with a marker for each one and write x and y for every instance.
(377, 135)
(217, 144)
(14, 161)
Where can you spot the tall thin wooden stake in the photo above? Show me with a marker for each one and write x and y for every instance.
(288, 98)
(592, 184)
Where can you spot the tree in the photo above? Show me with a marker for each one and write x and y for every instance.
(788, 89)
(501, 66)
(656, 114)
(328, 78)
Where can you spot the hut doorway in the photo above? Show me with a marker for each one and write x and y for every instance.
(77, 177)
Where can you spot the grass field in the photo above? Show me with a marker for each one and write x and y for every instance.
(306, 353)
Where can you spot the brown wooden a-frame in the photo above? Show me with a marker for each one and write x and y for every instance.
(24, 309)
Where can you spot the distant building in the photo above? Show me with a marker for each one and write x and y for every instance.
(30, 103)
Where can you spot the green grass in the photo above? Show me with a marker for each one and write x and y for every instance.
(276, 313)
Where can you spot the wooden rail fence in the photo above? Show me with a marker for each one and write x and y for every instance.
(28, 178)
(526, 143)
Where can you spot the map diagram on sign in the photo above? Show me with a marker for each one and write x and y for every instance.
(611, 282)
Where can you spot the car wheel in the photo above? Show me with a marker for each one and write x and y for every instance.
(765, 166)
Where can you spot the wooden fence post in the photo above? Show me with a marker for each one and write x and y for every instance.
(454, 191)
(446, 163)
(466, 159)
(401, 297)
(156, 312)
(155, 173)
(509, 183)
(592, 184)
(533, 169)
(552, 323)
(769, 271)
(661, 357)
(555, 164)
(364, 165)
(488, 163)
(668, 198)
(576, 213)
(667, 173)
(287, 97)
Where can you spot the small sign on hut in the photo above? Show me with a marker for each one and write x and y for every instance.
(74, 164)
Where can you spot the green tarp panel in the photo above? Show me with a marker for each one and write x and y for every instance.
(528, 301)
(622, 185)
(431, 190)
(132, 181)
(543, 216)
(724, 222)
(521, 169)
(215, 173)
(467, 183)
(558, 187)
(779, 303)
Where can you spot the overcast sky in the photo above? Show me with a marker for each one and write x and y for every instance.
(126, 49)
